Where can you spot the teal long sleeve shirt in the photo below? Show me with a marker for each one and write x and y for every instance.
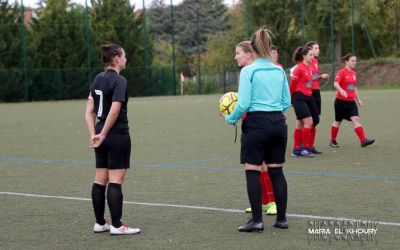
(263, 86)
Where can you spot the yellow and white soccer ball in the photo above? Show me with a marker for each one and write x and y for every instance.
(228, 102)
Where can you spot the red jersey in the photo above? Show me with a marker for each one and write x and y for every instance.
(301, 80)
(348, 82)
(315, 73)
(278, 64)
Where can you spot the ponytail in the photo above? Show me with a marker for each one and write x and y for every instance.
(299, 54)
(261, 42)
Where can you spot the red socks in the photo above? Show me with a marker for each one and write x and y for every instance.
(297, 138)
(307, 138)
(267, 193)
(334, 133)
(360, 133)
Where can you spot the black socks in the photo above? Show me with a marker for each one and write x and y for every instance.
(114, 200)
(279, 185)
(98, 201)
(254, 193)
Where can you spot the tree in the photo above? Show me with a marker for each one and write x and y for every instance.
(10, 52)
(383, 18)
(159, 21)
(160, 29)
(194, 23)
(58, 45)
(282, 18)
(114, 21)
(192, 18)
(221, 47)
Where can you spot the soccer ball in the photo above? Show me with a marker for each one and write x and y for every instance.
(228, 102)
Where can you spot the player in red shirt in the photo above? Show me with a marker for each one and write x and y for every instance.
(275, 55)
(315, 87)
(303, 102)
(345, 103)
(244, 56)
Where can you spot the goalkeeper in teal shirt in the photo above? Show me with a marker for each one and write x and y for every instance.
(264, 94)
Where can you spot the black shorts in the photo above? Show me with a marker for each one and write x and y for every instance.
(264, 138)
(305, 106)
(316, 93)
(345, 110)
(114, 152)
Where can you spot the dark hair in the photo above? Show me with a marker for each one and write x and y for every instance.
(346, 57)
(261, 42)
(311, 43)
(109, 52)
(273, 47)
(299, 53)
(245, 46)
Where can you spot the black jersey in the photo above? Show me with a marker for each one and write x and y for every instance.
(109, 87)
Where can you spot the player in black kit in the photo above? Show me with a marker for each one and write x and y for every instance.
(108, 99)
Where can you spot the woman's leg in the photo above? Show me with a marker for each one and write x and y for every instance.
(254, 190)
(307, 140)
(280, 190)
(114, 195)
(99, 194)
(297, 134)
(334, 132)
(359, 130)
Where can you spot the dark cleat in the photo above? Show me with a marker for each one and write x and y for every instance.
(314, 151)
(302, 152)
(252, 226)
(367, 142)
(334, 144)
(281, 224)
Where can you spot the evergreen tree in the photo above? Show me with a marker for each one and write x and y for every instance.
(114, 21)
(282, 18)
(11, 80)
(60, 51)
(221, 47)
(159, 21)
(209, 17)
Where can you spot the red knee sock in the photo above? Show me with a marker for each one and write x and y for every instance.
(334, 133)
(268, 185)
(267, 194)
(307, 137)
(360, 133)
(297, 136)
(264, 191)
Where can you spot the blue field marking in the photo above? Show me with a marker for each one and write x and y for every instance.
(351, 175)
(193, 165)
(34, 161)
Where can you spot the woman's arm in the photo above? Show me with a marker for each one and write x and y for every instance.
(110, 121)
(341, 91)
(358, 99)
(90, 116)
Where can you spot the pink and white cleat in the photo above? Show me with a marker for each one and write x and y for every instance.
(123, 229)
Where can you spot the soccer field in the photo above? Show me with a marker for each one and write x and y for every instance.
(186, 188)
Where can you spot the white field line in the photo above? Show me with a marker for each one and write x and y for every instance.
(302, 216)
